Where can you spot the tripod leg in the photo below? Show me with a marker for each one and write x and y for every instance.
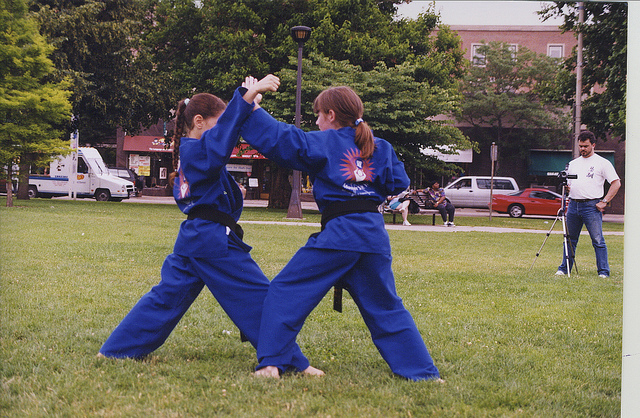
(545, 241)
(569, 252)
(572, 254)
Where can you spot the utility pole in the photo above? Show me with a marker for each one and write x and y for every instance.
(579, 63)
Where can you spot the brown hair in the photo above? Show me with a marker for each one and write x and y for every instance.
(203, 104)
(587, 136)
(348, 109)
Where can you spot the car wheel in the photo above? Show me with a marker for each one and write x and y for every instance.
(33, 192)
(516, 211)
(102, 195)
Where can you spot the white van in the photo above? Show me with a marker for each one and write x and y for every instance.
(92, 179)
(474, 191)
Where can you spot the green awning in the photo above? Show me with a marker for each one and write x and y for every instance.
(551, 162)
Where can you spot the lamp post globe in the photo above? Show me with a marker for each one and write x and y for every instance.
(301, 34)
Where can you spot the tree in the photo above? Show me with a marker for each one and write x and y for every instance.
(397, 107)
(32, 107)
(507, 97)
(212, 47)
(604, 71)
(99, 48)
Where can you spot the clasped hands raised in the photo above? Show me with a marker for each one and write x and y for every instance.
(256, 87)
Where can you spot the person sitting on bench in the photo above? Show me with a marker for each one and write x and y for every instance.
(440, 202)
(401, 203)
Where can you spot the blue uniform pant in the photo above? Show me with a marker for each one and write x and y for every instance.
(236, 282)
(304, 281)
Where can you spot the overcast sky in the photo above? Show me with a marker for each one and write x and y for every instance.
(481, 12)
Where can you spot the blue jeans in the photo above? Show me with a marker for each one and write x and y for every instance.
(586, 213)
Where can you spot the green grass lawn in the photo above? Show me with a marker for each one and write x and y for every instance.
(508, 342)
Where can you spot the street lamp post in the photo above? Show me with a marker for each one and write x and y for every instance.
(300, 34)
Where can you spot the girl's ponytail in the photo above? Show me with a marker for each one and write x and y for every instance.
(177, 134)
(364, 138)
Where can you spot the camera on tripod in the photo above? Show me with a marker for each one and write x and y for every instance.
(564, 176)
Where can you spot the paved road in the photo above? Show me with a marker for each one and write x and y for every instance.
(462, 212)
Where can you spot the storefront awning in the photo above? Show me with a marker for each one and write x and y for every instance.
(246, 152)
(156, 144)
(145, 144)
(552, 162)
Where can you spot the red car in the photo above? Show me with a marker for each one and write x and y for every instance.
(531, 201)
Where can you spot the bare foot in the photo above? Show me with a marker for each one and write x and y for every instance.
(268, 371)
(100, 355)
(312, 371)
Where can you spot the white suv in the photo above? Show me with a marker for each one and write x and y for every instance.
(474, 191)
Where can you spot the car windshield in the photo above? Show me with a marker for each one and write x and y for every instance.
(518, 193)
(545, 195)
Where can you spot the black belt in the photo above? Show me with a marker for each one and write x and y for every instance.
(339, 208)
(344, 207)
(583, 200)
(208, 213)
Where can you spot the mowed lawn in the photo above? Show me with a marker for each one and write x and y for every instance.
(508, 342)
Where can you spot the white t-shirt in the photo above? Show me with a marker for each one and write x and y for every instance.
(591, 172)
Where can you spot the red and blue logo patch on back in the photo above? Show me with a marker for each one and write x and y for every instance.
(355, 168)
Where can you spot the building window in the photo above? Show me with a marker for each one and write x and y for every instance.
(478, 59)
(555, 51)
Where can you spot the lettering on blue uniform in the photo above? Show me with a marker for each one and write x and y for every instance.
(358, 189)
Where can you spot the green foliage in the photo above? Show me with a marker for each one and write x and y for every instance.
(210, 48)
(406, 75)
(397, 107)
(604, 64)
(32, 106)
(510, 95)
(99, 47)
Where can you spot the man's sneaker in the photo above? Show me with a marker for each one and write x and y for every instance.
(603, 276)
(406, 223)
(450, 224)
(560, 273)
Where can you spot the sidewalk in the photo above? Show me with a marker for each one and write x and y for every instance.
(462, 212)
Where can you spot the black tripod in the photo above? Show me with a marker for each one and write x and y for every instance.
(568, 247)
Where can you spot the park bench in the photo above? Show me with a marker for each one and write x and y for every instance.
(423, 203)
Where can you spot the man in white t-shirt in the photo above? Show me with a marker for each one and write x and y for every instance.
(586, 204)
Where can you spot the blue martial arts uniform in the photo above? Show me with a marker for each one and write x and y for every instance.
(352, 251)
(205, 253)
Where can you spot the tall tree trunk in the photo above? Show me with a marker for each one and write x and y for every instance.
(280, 192)
(9, 185)
(23, 178)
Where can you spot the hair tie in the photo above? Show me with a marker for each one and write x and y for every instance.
(186, 102)
(358, 121)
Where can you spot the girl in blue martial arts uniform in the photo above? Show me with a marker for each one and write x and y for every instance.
(209, 249)
(352, 173)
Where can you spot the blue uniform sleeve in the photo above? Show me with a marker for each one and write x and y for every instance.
(322, 153)
(285, 144)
